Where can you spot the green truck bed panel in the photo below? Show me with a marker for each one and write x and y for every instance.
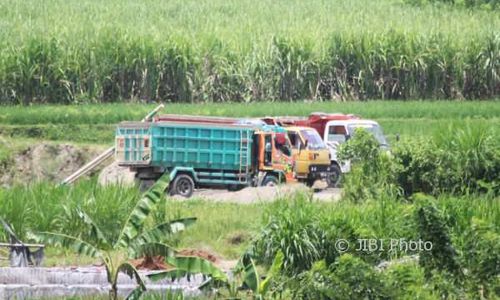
(199, 146)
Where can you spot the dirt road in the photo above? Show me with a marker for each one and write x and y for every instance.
(263, 194)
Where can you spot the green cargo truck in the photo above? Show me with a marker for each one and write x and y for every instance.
(203, 154)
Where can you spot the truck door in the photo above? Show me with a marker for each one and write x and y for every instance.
(275, 154)
(299, 153)
(282, 155)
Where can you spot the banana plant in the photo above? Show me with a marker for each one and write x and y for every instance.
(244, 275)
(134, 240)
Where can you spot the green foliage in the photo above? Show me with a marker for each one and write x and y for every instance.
(292, 230)
(407, 281)
(482, 258)
(371, 175)
(132, 240)
(186, 265)
(45, 206)
(482, 4)
(457, 160)
(134, 223)
(432, 228)
(347, 278)
(218, 51)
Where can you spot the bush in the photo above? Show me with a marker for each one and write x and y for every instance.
(292, 229)
(348, 278)
(456, 161)
(432, 228)
(407, 281)
(372, 174)
(482, 259)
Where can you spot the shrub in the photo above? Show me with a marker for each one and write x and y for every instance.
(292, 229)
(482, 259)
(372, 173)
(348, 278)
(407, 281)
(457, 161)
(432, 228)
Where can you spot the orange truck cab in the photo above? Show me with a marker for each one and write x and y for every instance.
(312, 158)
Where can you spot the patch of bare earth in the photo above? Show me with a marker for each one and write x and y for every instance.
(48, 162)
(251, 195)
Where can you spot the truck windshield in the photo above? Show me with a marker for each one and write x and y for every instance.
(313, 139)
(373, 129)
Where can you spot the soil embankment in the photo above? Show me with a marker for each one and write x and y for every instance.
(45, 162)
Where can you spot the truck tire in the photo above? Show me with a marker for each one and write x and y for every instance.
(183, 185)
(310, 182)
(333, 178)
(270, 180)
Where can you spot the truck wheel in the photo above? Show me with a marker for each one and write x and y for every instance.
(310, 182)
(333, 178)
(183, 185)
(270, 180)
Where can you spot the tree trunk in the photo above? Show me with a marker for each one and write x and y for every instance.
(113, 292)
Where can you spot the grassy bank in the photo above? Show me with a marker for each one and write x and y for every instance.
(96, 123)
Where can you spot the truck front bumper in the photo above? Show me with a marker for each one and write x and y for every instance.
(319, 171)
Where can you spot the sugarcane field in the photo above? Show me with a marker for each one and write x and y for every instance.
(189, 150)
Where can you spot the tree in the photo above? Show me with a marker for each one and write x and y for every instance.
(135, 240)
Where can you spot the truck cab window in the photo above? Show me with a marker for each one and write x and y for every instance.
(268, 150)
(294, 140)
(337, 134)
(282, 144)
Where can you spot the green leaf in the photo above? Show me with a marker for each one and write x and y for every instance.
(95, 232)
(250, 275)
(162, 231)
(273, 272)
(132, 272)
(187, 265)
(141, 211)
(172, 274)
(135, 294)
(66, 241)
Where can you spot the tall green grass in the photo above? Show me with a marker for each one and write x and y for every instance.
(379, 110)
(95, 123)
(197, 51)
(46, 206)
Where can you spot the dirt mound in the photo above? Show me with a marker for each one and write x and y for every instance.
(199, 253)
(158, 262)
(52, 162)
(114, 174)
(151, 263)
